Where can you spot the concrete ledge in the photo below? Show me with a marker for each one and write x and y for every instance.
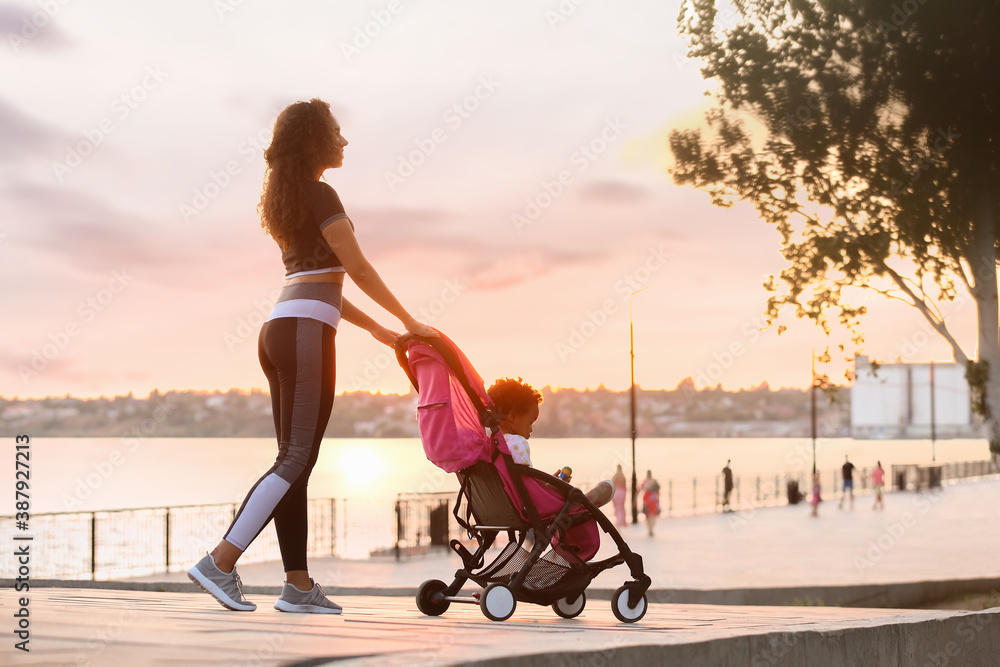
(86, 626)
(887, 596)
(971, 640)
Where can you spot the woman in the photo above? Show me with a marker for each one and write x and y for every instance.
(296, 348)
(878, 483)
(650, 500)
(816, 498)
(618, 479)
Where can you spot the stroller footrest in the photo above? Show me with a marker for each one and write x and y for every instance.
(468, 559)
(460, 600)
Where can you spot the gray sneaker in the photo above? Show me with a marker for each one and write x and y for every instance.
(226, 588)
(313, 601)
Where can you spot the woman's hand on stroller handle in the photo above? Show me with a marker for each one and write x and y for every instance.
(421, 329)
(384, 336)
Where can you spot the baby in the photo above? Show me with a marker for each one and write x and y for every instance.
(516, 403)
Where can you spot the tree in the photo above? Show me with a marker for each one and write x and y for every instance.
(868, 134)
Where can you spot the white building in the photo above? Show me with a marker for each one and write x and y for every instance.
(894, 401)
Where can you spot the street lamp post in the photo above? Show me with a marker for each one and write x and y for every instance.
(933, 422)
(631, 353)
(812, 411)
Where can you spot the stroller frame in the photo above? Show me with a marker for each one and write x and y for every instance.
(538, 575)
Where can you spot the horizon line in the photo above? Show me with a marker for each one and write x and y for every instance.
(252, 390)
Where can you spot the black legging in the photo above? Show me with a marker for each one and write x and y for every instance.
(298, 358)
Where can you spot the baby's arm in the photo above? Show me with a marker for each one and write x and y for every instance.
(518, 447)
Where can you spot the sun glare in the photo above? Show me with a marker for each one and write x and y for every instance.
(361, 465)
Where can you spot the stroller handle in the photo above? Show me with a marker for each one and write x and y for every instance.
(446, 349)
(402, 344)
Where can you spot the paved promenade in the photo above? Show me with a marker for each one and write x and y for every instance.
(778, 556)
(137, 628)
(938, 536)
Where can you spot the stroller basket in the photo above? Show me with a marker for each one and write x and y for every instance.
(552, 529)
(547, 571)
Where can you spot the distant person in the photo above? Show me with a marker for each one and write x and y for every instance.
(815, 501)
(847, 473)
(296, 348)
(516, 403)
(727, 486)
(621, 493)
(878, 483)
(650, 500)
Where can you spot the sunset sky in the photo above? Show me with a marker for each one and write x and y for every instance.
(507, 175)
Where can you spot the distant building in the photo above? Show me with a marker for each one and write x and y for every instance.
(894, 401)
(216, 402)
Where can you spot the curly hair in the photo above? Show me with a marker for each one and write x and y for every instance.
(513, 396)
(302, 143)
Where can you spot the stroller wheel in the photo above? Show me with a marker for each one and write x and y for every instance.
(498, 602)
(563, 607)
(623, 612)
(429, 600)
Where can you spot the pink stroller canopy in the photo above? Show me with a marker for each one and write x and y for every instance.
(452, 412)
(451, 431)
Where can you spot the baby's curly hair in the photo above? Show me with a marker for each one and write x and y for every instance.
(510, 395)
(301, 143)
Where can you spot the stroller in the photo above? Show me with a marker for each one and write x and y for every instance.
(551, 527)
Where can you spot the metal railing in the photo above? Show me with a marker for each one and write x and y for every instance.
(134, 542)
(424, 522)
(703, 495)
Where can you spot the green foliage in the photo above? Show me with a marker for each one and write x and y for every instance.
(866, 135)
(977, 373)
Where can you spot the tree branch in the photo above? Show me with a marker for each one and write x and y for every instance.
(936, 321)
